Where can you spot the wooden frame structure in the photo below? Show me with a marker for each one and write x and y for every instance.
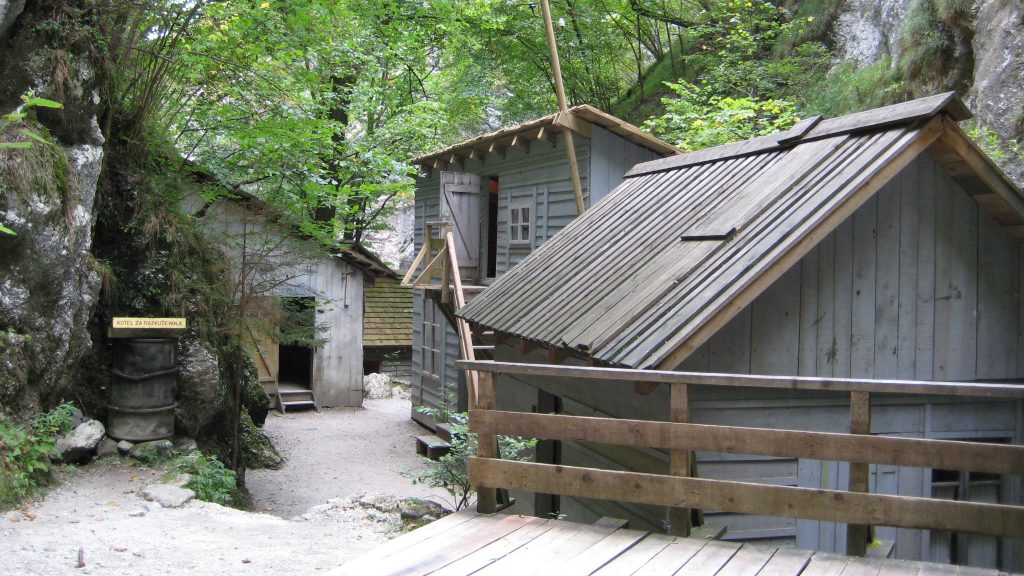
(680, 492)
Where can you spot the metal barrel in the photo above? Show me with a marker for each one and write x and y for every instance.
(142, 392)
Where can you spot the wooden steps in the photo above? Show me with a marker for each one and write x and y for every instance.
(291, 399)
(431, 446)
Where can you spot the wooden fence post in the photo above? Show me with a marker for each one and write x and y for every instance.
(487, 444)
(860, 473)
(679, 460)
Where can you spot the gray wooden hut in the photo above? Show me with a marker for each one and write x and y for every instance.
(283, 266)
(387, 328)
(882, 244)
(507, 193)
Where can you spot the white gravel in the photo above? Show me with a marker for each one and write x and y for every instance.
(97, 514)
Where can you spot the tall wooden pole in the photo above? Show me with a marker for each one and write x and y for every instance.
(556, 70)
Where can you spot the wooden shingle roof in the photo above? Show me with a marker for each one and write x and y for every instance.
(647, 275)
(387, 320)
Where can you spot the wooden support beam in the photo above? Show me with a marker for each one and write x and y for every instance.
(501, 337)
(912, 452)
(747, 498)
(557, 355)
(477, 154)
(860, 423)
(440, 164)
(497, 150)
(487, 446)
(679, 459)
(545, 135)
(455, 161)
(520, 141)
(975, 389)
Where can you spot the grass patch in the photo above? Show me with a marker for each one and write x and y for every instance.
(210, 480)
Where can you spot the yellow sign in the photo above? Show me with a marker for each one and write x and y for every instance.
(159, 323)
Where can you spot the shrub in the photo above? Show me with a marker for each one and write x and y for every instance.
(25, 468)
(211, 481)
(451, 471)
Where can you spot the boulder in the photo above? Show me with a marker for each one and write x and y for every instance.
(184, 444)
(420, 509)
(77, 447)
(376, 386)
(124, 446)
(200, 393)
(106, 447)
(167, 496)
(149, 452)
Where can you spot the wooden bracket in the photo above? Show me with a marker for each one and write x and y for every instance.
(495, 149)
(645, 388)
(500, 337)
(545, 135)
(525, 346)
(557, 355)
(570, 122)
(520, 141)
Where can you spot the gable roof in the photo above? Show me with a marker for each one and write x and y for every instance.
(647, 275)
(550, 123)
(387, 320)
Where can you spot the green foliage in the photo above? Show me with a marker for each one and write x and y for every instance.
(210, 480)
(1002, 150)
(848, 89)
(38, 171)
(451, 471)
(928, 43)
(698, 118)
(25, 467)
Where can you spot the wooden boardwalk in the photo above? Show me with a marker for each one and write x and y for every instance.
(502, 544)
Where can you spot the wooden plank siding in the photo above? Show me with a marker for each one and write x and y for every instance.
(536, 175)
(868, 301)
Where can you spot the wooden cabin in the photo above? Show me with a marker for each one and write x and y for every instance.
(387, 328)
(879, 245)
(322, 286)
(506, 193)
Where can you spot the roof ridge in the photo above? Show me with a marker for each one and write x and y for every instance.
(816, 128)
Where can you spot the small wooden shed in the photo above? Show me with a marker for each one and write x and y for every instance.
(285, 269)
(506, 193)
(882, 244)
(387, 328)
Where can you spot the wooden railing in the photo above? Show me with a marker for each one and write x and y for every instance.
(855, 506)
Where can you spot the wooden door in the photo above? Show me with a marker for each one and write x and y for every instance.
(460, 205)
(259, 342)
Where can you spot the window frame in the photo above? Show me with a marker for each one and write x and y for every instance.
(524, 227)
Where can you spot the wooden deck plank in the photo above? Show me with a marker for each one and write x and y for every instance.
(863, 567)
(424, 556)
(601, 553)
(427, 532)
(900, 568)
(786, 562)
(632, 559)
(711, 558)
(671, 558)
(495, 551)
(825, 565)
(748, 560)
(563, 541)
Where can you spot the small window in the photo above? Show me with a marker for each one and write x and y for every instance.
(519, 224)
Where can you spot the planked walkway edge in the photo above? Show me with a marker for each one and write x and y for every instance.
(467, 543)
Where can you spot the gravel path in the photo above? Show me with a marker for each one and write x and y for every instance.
(96, 514)
(338, 452)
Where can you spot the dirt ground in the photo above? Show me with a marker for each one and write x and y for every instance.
(97, 517)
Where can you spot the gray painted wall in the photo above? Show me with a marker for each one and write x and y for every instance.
(538, 177)
(918, 284)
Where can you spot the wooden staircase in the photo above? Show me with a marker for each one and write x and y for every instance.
(441, 276)
(295, 397)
